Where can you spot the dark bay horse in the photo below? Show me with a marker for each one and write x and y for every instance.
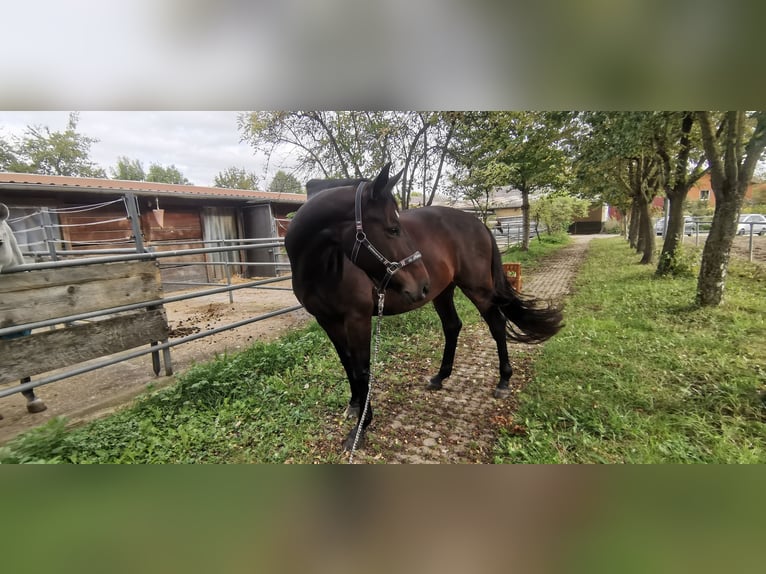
(349, 240)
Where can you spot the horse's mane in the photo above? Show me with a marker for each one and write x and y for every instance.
(312, 241)
(314, 186)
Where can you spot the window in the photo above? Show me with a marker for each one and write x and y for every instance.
(704, 195)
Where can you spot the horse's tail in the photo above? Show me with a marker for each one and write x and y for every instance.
(529, 320)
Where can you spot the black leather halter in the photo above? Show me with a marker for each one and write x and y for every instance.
(361, 239)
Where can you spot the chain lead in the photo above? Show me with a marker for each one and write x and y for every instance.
(381, 301)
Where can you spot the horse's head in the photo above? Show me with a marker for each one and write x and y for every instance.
(379, 244)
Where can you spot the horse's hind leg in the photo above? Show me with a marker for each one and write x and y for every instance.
(497, 324)
(34, 403)
(451, 325)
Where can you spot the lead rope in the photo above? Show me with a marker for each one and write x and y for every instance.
(381, 300)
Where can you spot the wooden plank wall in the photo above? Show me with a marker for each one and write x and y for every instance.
(54, 293)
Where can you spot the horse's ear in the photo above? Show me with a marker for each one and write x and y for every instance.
(383, 183)
(4, 213)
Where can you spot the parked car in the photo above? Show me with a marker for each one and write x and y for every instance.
(659, 227)
(758, 224)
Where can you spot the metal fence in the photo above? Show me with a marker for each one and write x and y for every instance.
(92, 257)
(509, 231)
(698, 228)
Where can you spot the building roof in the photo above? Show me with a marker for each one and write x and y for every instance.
(59, 183)
(503, 197)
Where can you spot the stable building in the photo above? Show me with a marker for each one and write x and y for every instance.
(51, 215)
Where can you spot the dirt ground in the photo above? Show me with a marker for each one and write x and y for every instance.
(741, 248)
(100, 392)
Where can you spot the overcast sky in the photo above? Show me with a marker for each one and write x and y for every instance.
(199, 144)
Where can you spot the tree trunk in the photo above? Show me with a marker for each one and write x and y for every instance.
(645, 232)
(731, 168)
(633, 226)
(715, 256)
(673, 234)
(525, 219)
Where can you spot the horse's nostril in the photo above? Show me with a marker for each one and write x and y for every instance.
(425, 289)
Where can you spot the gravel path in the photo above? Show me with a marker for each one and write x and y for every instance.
(460, 423)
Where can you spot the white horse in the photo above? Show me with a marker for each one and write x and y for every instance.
(10, 256)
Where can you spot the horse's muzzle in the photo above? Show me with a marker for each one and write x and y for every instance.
(418, 293)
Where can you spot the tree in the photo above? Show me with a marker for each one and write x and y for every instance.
(557, 212)
(285, 183)
(523, 150)
(354, 144)
(732, 159)
(170, 174)
(128, 169)
(236, 178)
(683, 165)
(616, 152)
(53, 153)
(8, 159)
(472, 176)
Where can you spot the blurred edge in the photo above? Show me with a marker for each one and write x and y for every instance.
(334, 519)
(337, 54)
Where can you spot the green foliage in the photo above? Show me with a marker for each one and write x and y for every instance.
(523, 150)
(128, 169)
(641, 375)
(285, 183)
(614, 226)
(45, 152)
(169, 174)
(236, 178)
(684, 262)
(39, 445)
(557, 212)
(699, 208)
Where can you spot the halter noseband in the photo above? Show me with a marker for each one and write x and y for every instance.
(361, 239)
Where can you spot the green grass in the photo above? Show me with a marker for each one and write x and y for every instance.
(637, 375)
(640, 375)
(260, 405)
(539, 248)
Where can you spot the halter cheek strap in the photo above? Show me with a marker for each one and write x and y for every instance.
(361, 240)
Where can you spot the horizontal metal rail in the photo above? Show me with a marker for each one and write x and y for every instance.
(148, 255)
(118, 255)
(134, 306)
(144, 351)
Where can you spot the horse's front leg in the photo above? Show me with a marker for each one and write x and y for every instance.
(351, 338)
(358, 330)
(451, 326)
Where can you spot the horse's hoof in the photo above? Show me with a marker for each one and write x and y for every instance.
(353, 412)
(434, 385)
(36, 406)
(348, 444)
(502, 393)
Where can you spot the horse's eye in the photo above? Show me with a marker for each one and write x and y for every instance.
(395, 231)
